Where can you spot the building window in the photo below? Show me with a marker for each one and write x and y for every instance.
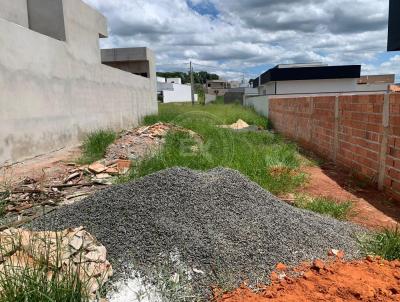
(47, 17)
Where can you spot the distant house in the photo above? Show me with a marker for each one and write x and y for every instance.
(234, 84)
(174, 80)
(394, 26)
(238, 95)
(217, 87)
(136, 60)
(318, 78)
(170, 90)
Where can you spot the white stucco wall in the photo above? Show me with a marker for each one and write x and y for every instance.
(54, 92)
(14, 11)
(373, 87)
(259, 103)
(318, 86)
(174, 80)
(179, 94)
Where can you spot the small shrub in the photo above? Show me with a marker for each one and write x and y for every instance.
(95, 145)
(326, 206)
(385, 244)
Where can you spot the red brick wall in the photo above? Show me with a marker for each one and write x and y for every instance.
(348, 129)
(392, 171)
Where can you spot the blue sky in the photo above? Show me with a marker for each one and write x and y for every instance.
(204, 8)
(235, 37)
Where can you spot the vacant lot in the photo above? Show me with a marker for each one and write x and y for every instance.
(264, 157)
(179, 232)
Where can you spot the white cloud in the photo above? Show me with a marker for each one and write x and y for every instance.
(251, 33)
(391, 66)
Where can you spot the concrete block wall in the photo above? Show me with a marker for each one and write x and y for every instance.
(259, 103)
(358, 132)
(54, 92)
(209, 98)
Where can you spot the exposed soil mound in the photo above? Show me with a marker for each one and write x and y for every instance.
(368, 281)
(218, 222)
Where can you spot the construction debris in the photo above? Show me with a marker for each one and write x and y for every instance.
(217, 222)
(97, 167)
(32, 197)
(139, 143)
(241, 125)
(70, 250)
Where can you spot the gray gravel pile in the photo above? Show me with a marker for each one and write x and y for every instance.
(220, 222)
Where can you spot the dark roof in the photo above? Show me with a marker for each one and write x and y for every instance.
(309, 73)
(394, 26)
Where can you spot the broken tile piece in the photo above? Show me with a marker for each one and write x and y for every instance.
(97, 168)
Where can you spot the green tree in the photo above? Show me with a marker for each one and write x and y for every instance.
(198, 77)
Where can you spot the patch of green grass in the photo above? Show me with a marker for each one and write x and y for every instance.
(326, 206)
(264, 157)
(385, 244)
(219, 100)
(214, 114)
(32, 285)
(3, 205)
(20, 283)
(95, 145)
(3, 202)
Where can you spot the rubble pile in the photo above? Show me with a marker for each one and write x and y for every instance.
(70, 250)
(30, 198)
(144, 141)
(220, 225)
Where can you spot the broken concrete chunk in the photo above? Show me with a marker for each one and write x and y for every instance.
(98, 255)
(66, 250)
(103, 176)
(97, 168)
(112, 171)
(76, 243)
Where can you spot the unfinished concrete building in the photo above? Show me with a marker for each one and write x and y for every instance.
(53, 86)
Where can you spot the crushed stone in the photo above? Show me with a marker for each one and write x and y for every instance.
(219, 222)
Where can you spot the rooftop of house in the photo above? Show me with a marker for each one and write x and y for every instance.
(313, 71)
(216, 81)
(301, 65)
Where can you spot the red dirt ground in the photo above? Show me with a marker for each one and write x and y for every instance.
(366, 281)
(40, 168)
(372, 208)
